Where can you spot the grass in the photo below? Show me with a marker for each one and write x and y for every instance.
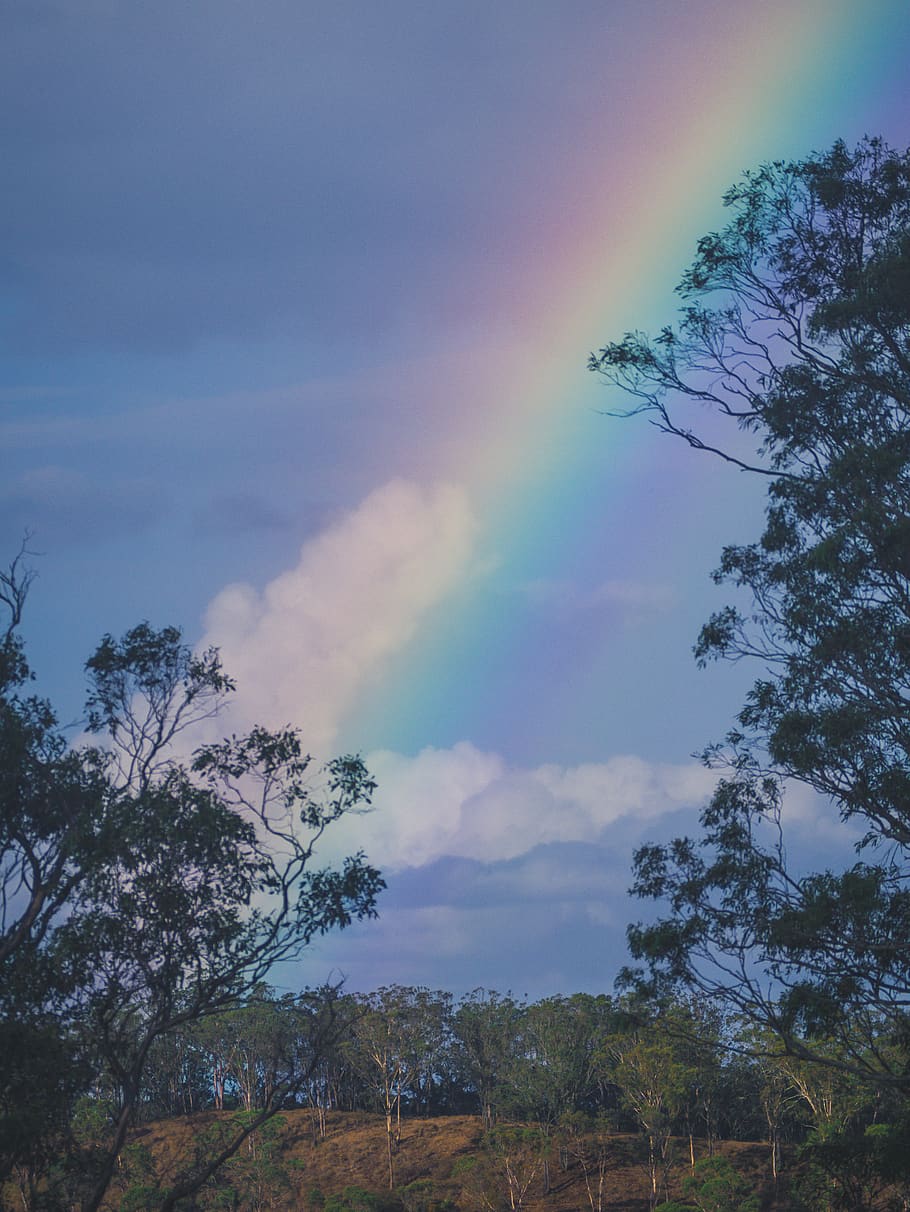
(440, 1166)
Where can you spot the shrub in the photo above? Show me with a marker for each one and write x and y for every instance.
(714, 1187)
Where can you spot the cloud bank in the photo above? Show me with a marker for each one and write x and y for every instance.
(463, 802)
(305, 647)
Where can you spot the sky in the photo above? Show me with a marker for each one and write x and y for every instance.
(295, 307)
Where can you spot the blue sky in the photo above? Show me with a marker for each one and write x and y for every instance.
(295, 305)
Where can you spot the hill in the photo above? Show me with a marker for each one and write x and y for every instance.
(439, 1164)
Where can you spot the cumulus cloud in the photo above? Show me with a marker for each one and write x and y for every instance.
(466, 803)
(304, 647)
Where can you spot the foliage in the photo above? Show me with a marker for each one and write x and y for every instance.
(356, 1199)
(848, 1168)
(805, 345)
(40, 1081)
(143, 1191)
(463, 1165)
(487, 1029)
(563, 1039)
(511, 1159)
(256, 1173)
(586, 1142)
(657, 1071)
(397, 1044)
(716, 1187)
(142, 891)
(425, 1195)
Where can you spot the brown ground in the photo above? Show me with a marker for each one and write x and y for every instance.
(440, 1151)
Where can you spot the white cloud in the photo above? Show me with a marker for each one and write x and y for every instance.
(420, 804)
(464, 802)
(626, 785)
(306, 646)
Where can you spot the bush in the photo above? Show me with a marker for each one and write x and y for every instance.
(714, 1187)
(424, 1195)
(356, 1199)
(850, 1168)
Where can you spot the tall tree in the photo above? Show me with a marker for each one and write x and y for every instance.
(142, 893)
(378, 1050)
(556, 1072)
(653, 1070)
(487, 1029)
(796, 328)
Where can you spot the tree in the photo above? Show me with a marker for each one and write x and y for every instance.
(487, 1029)
(254, 1177)
(845, 1169)
(178, 1077)
(587, 1141)
(511, 1159)
(427, 1041)
(796, 327)
(51, 818)
(562, 1036)
(555, 1074)
(654, 1077)
(142, 892)
(715, 1187)
(378, 1050)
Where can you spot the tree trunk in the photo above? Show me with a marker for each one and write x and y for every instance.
(388, 1140)
(775, 1156)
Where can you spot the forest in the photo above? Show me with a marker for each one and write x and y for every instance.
(151, 883)
(552, 1085)
(563, 1089)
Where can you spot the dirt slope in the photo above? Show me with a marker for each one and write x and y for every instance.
(445, 1153)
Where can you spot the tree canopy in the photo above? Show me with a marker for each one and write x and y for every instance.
(142, 891)
(795, 327)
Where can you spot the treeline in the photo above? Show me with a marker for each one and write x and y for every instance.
(677, 1070)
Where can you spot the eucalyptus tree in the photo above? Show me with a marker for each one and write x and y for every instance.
(654, 1072)
(141, 892)
(429, 1044)
(795, 329)
(557, 1069)
(177, 1078)
(379, 1048)
(487, 1028)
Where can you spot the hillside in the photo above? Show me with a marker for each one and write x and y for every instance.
(439, 1164)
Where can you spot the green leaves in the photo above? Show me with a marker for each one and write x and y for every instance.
(795, 326)
(143, 892)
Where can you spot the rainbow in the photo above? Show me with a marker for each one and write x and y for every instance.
(606, 244)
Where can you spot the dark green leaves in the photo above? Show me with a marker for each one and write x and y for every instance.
(142, 892)
(796, 326)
